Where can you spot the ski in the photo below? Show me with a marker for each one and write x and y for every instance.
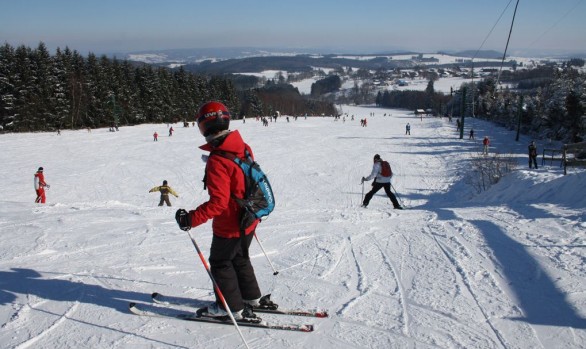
(194, 303)
(171, 313)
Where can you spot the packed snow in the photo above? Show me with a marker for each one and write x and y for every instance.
(455, 269)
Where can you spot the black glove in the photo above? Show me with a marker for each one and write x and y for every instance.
(183, 218)
(362, 181)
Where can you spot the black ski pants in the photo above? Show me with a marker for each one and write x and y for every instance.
(233, 272)
(533, 161)
(376, 187)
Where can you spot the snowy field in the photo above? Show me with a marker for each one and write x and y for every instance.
(501, 269)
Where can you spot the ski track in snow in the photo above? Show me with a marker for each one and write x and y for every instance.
(60, 321)
(432, 231)
(399, 289)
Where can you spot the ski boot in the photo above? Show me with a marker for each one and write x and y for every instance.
(215, 311)
(262, 303)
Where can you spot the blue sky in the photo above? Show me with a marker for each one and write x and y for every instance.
(104, 26)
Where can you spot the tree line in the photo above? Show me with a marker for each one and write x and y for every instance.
(44, 92)
(283, 98)
(556, 110)
(547, 106)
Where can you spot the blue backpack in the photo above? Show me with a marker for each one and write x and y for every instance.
(258, 200)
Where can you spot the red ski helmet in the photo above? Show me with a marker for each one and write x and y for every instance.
(212, 117)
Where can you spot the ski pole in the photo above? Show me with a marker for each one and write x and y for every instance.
(218, 292)
(362, 197)
(275, 272)
(397, 195)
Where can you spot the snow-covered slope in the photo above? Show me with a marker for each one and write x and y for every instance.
(502, 269)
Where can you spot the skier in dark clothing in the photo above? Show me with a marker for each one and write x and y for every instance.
(229, 261)
(382, 180)
(532, 155)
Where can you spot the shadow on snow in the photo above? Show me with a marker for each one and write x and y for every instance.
(541, 301)
(30, 282)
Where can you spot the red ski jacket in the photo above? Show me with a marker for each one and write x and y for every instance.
(223, 179)
(39, 180)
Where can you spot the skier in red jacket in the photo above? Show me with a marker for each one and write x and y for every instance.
(40, 185)
(485, 144)
(229, 260)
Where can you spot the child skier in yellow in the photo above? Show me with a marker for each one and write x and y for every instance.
(165, 191)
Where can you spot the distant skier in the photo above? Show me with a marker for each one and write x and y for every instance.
(40, 186)
(408, 129)
(485, 144)
(155, 136)
(381, 171)
(471, 134)
(532, 155)
(165, 190)
(171, 131)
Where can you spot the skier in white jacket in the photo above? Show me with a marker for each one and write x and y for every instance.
(382, 174)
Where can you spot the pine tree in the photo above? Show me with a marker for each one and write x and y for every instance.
(7, 98)
(62, 107)
(23, 91)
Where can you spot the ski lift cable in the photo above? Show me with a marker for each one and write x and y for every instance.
(483, 42)
(507, 46)
(556, 23)
(491, 30)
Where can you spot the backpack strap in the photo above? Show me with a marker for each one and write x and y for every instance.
(233, 157)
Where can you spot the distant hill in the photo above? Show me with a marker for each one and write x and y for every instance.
(215, 54)
(299, 63)
(196, 55)
(219, 61)
(486, 54)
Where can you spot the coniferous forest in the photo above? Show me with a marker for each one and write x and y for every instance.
(552, 107)
(44, 92)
